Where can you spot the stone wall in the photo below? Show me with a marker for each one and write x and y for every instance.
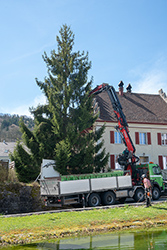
(20, 198)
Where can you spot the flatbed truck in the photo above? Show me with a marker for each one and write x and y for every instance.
(98, 189)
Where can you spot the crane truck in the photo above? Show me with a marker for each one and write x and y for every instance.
(103, 188)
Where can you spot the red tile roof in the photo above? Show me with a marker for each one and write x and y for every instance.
(139, 108)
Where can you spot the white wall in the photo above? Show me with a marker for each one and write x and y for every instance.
(152, 151)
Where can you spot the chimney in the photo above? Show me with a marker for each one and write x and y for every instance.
(129, 88)
(163, 95)
(121, 89)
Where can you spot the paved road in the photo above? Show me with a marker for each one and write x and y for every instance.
(162, 199)
(128, 201)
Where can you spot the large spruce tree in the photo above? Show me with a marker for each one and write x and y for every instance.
(64, 126)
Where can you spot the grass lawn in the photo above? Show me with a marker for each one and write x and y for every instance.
(33, 228)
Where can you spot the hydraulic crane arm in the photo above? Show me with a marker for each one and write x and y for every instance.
(122, 123)
(127, 158)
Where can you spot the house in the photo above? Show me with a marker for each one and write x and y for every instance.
(5, 149)
(146, 115)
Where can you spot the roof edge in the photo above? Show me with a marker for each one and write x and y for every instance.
(154, 123)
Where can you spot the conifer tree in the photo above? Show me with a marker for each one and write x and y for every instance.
(61, 126)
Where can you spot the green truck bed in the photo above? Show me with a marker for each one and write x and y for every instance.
(92, 176)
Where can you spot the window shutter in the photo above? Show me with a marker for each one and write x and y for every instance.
(149, 138)
(137, 137)
(160, 160)
(112, 161)
(111, 136)
(159, 138)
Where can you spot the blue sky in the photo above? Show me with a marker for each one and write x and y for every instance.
(126, 40)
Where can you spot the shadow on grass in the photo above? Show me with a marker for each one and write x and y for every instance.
(160, 208)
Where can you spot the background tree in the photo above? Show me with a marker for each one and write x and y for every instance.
(61, 126)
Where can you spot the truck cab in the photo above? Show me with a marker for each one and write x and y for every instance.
(153, 172)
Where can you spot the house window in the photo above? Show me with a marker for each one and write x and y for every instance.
(118, 138)
(117, 166)
(142, 138)
(115, 137)
(144, 159)
(164, 139)
(114, 163)
(164, 162)
(162, 159)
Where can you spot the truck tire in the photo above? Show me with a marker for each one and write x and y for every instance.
(108, 198)
(94, 200)
(156, 193)
(139, 195)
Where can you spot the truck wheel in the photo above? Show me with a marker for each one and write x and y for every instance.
(108, 198)
(156, 193)
(139, 195)
(94, 200)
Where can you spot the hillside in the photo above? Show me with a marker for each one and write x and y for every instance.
(9, 126)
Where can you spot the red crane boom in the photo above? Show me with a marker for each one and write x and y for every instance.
(127, 158)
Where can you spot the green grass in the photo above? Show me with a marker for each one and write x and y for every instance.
(35, 227)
